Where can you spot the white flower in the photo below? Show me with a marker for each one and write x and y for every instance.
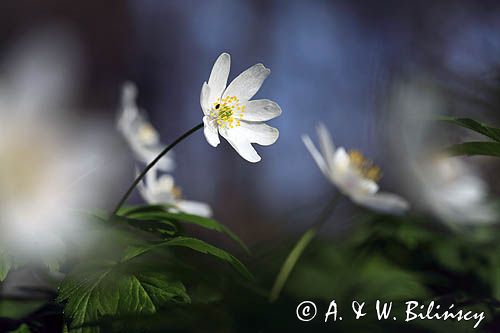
(355, 176)
(454, 192)
(447, 187)
(158, 190)
(141, 136)
(50, 161)
(230, 112)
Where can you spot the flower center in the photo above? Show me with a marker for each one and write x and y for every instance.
(227, 112)
(177, 192)
(167, 183)
(364, 166)
(147, 134)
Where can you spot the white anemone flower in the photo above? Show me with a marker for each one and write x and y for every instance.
(51, 163)
(454, 192)
(447, 187)
(228, 111)
(161, 190)
(354, 175)
(142, 137)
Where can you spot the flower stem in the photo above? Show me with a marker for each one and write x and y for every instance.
(299, 248)
(152, 163)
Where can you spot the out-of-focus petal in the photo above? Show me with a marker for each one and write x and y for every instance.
(383, 202)
(195, 208)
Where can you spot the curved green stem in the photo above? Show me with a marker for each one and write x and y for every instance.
(299, 248)
(139, 178)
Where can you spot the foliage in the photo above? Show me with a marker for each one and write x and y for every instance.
(147, 272)
(487, 148)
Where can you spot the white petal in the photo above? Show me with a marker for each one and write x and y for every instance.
(165, 183)
(259, 133)
(383, 202)
(352, 183)
(241, 145)
(195, 208)
(145, 192)
(146, 154)
(246, 85)
(326, 143)
(204, 96)
(210, 131)
(318, 158)
(218, 76)
(341, 160)
(261, 110)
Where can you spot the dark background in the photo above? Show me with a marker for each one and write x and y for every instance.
(331, 61)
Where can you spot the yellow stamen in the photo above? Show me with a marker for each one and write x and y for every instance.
(177, 192)
(147, 134)
(227, 112)
(364, 166)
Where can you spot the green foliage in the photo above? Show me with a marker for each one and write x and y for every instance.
(22, 329)
(5, 264)
(485, 148)
(134, 271)
(475, 148)
(17, 309)
(161, 215)
(110, 289)
(489, 131)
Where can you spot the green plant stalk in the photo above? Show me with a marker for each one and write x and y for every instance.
(299, 248)
(141, 176)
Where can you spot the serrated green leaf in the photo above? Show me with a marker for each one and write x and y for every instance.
(489, 131)
(475, 148)
(91, 293)
(201, 246)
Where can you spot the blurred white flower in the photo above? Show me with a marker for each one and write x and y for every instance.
(454, 192)
(228, 111)
(447, 187)
(161, 190)
(141, 136)
(51, 163)
(353, 174)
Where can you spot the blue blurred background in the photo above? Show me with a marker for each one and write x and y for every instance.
(330, 61)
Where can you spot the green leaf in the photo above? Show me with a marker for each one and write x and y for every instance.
(491, 132)
(159, 213)
(475, 148)
(22, 329)
(5, 264)
(206, 223)
(17, 308)
(290, 262)
(91, 293)
(201, 246)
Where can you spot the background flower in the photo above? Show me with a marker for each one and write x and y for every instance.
(141, 136)
(448, 187)
(354, 175)
(53, 163)
(161, 190)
